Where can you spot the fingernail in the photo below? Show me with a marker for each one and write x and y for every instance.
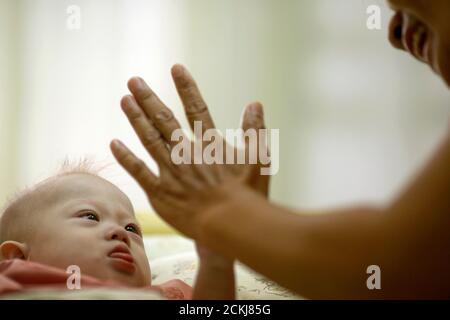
(255, 109)
(117, 144)
(178, 71)
(137, 84)
(141, 84)
(127, 103)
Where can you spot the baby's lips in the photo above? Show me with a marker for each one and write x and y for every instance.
(122, 259)
(121, 255)
(121, 251)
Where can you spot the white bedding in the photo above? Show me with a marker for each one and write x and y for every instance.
(174, 257)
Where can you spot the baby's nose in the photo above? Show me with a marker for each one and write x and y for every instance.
(120, 234)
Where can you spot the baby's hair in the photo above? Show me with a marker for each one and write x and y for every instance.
(23, 200)
(67, 167)
(82, 165)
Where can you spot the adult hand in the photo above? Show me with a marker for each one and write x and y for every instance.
(181, 192)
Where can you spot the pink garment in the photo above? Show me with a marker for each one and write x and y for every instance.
(17, 276)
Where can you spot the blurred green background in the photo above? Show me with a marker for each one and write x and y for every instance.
(357, 118)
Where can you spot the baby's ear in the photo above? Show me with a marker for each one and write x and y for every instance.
(13, 250)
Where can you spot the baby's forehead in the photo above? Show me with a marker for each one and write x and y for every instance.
(83, 187)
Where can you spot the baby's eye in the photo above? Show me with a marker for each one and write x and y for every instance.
(89, 216)
(133, 228)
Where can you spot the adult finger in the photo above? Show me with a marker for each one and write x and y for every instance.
(149, 136)
(194, 105)
(134, 166)
(156, 110)
(253, 119)
(155, 145)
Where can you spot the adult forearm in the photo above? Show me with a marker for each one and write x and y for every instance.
(315, 255)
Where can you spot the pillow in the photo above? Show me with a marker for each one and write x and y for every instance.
(157, 246)
(249, 284)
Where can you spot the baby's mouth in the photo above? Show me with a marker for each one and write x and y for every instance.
(122, 259)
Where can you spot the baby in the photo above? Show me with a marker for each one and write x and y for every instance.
(78, 218)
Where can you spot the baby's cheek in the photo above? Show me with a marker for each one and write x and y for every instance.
(36, 253)
(144, 267)
(52, 254)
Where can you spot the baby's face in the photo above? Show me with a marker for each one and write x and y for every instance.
(90, 223)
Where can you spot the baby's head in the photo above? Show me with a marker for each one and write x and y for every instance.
(77, 218)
